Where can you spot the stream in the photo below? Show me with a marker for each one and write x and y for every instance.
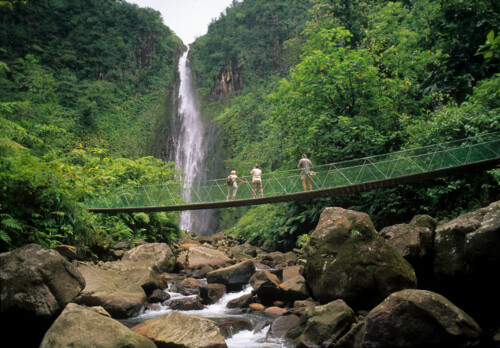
(242, 339)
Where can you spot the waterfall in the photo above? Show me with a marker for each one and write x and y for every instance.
(191, 146)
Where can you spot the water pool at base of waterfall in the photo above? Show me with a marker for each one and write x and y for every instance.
(243, 339)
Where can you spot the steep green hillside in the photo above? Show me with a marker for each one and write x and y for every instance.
(95, 72)
(343, 79)
(82, 83)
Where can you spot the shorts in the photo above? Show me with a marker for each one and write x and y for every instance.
(232, 189)
(304, 174)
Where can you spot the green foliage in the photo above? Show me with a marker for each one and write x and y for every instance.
(361, 78)
(247, 41)
(99, 70)
(41, 199)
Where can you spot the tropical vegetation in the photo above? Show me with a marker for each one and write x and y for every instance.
(86, 89)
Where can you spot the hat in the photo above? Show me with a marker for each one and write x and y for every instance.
(233, 172)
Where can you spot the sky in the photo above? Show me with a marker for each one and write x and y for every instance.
(189, 19)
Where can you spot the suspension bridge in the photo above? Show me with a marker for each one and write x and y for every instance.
(353, 176)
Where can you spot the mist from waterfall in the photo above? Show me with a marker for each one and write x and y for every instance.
(190, 143)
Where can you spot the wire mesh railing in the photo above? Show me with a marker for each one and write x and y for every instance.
(364, 170)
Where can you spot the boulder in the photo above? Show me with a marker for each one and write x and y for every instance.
(349, 260)
(414, 318)
(277, 258)
(294, 289)
(322, 325)
(466, 259)
(199, 255)
(266, 286)
(139, 272)
(68, 251)
(158, 296)
(211, 293)
(111, 290)
(243, 251)
(186, 303)
(234, 277)
(187, 287)
(468, 243)
(231, 326)
(35, 286)
(275, 311)
(182, 330)
(414, 241)
(157, 255)
(242, 301)
(79, 326)
(281, 325)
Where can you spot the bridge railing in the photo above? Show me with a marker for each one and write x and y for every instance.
(352, 172)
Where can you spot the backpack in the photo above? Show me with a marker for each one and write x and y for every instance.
(229, 181)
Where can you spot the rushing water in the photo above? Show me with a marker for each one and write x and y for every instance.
(191, 145)
(243, 339)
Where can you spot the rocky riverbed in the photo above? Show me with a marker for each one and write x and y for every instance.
(420, 284)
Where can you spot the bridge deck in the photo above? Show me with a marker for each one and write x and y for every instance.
(359, 175)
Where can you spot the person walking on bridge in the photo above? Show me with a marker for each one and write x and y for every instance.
(305, 165)
(256, 181)
(232, 184)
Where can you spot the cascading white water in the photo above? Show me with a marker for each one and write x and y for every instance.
(242, 339)
(189, 146)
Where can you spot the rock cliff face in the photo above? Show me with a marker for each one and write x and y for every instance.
(227, 83)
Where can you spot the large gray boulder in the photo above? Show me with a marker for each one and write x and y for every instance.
(468, 244)
(35, 286)
(111, 290)
(154, 254)
(234, 277)
(320, 326)
(347, 259)
(79, 326)
(466, 261)
(199, 255)
(414, 241)
(414, 318)
(182, 330)
(266, 286)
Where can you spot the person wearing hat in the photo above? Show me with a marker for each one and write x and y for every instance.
(232, 184)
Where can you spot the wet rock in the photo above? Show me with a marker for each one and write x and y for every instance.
(414, 318)
(242, 301)
(211, 293)
(234, 277)
(186, 303)
(231, 326)
(281, 325)
(274, 311)
(349, 260)
(258, 307)
(294, 289)
(158, 296)
(323, 325)
(79, 326)
(181, 330)
(266, 286)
